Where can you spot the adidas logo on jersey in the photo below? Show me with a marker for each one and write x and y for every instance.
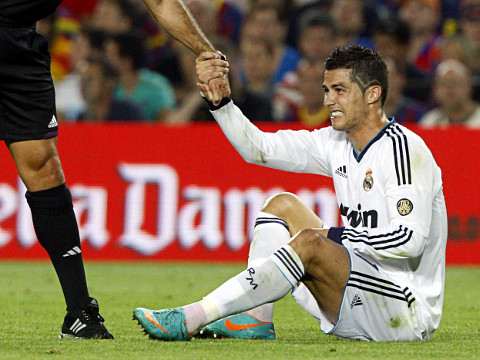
(356, 301)
(53, 122)
(342, 171)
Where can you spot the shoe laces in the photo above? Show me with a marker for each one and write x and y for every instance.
(91, 314)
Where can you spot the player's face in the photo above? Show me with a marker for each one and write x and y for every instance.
(344, 100)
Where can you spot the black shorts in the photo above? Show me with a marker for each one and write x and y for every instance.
(27, 95)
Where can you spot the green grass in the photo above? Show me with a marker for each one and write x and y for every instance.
(32, 310)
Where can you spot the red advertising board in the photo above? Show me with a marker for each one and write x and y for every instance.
(149, 191)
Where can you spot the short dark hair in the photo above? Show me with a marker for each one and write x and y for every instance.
(317, 19)
(367, 67)
(130, 45)
(106, 68)
(395, 27)
(96, 37)
(128, 10)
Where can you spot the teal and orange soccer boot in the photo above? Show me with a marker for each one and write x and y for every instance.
(167, 324)
(241, 326)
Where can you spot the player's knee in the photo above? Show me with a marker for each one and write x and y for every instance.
(309, 244)
(42, 173)
(281, 204)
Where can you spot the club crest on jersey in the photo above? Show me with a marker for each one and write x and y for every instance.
(368, 181)
(404, 207)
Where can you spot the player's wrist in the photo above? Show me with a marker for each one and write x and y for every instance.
(212, 106)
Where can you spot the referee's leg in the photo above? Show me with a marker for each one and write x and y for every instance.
(50, 201)
(54, 221)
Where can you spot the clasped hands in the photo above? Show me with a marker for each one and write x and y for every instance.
(212, 73)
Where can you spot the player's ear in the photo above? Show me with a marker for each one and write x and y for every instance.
(373, 94)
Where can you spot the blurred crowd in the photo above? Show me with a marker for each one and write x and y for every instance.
(111, 61)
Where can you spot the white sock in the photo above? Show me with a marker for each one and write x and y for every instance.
(266, 280)
(196, 317)
(269, 235)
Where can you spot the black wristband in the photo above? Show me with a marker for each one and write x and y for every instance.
(213, 107)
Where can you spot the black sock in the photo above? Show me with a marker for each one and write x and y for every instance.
(57, 231)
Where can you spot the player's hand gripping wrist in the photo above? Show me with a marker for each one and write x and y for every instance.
(212, 71)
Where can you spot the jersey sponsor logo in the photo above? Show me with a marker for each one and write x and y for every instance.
(368, 181)
(356, 301)
(404, 207)
(367, 218)
(342, 171)
(53, 122)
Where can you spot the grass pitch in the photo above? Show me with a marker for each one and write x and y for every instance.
(32, 310)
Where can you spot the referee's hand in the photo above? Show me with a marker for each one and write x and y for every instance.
(212, 74)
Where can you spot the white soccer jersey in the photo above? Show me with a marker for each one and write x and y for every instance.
(390, 196)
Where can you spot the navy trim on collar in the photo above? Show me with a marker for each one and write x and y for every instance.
(359, 156)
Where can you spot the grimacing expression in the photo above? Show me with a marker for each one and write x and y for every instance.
(344, 100)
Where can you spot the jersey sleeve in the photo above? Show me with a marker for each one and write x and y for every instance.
(296, 151)
(412, 180)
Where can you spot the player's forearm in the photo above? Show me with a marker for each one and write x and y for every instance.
(177, 21)
(245, 137)
(272, 150)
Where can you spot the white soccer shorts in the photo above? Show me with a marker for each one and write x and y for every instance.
(373, 307)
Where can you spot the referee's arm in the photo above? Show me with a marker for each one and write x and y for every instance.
(177, 21)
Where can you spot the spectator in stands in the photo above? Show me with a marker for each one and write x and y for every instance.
(403, 108)
(297, 15)
(148, 89)
(230, 18)
(452, 89)
(115, 16)
(264, 22)
(68, 96)
(462, 48)
(98, 81)
(310, 111)
(317, 36)
(351, 22)
(217, 18)
(256, 56)
(391, 37)
(469, 21)
(423, 18)
(284, 7)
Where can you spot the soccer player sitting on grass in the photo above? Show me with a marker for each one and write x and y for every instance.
(381, 276)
